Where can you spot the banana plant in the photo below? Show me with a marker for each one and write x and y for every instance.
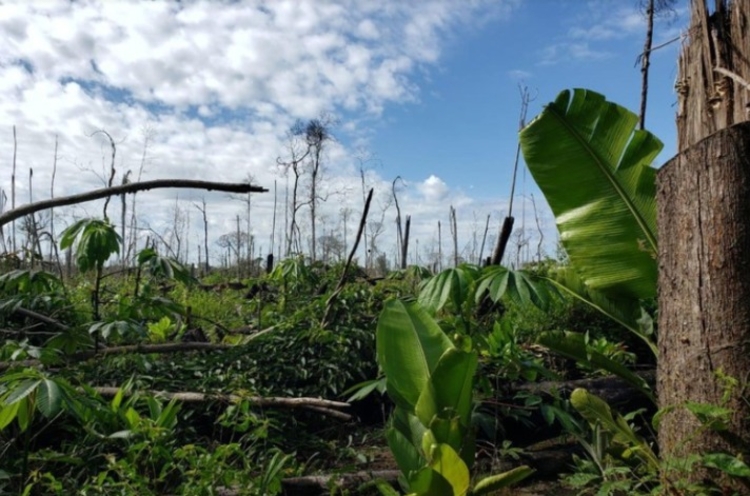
(430, 379)
(593, 167)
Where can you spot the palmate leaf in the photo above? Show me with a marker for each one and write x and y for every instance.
(519, 286)
(450, 286)
(593, 168)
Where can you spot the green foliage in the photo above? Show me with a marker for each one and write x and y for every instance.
(593, 167)
(431, 381)
(163, 268)
(576, 346)
(521, 287)
(94, 241)
(624, 439)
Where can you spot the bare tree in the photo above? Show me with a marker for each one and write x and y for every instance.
(202, 209)
(148, 135)
(13, 190)
(316, 134)
(454, 234)
(651, 8)
(111, 167)
(364, 158)
(297, 154)
(52, 195)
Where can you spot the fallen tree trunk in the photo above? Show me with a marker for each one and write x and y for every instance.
(98, 194)
(326, 407)
(611, 389)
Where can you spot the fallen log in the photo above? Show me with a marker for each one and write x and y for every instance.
(611, 389)
(326, 407)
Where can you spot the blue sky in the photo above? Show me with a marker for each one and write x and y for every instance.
(426, 89)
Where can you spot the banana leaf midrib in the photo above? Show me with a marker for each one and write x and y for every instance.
(609, 174)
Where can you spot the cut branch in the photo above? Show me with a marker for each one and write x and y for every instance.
(32, 208)
(326, 407)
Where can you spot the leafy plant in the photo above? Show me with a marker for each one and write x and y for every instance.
(430, 379)
(593, 167)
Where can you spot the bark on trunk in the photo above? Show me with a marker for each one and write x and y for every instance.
(704, 316)
(704, 242)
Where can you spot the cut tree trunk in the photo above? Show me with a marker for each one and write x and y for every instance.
(704, 316)
(703, 197)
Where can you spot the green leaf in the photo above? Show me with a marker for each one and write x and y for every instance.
(409, 346)
(715, 416)
(450, 387)
(626, 311)
(402, 441)
(49, 398)
(428, 482)
(593, 167)
(21, 390)
(95, 241)
(8, 414)
(597, 412)
(519, 286)
(446, 462)
(500, 481)
(727, 463)
(25, 413)
(451, 285)
(573, 345)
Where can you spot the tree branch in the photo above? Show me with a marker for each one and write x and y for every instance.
(32, 208)
(326, 407)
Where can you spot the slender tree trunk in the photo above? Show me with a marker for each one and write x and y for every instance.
(13, 190)
(484, 239)
(52, 210)
(405, 245)
(273, 222)
(646, 60)
(440, 247)
(704, 245)
(454, 235)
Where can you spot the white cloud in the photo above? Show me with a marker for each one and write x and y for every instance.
(433, 189)
(519, 74)
(215, 86)
(599, 24)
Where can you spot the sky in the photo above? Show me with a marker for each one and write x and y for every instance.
(424, 90)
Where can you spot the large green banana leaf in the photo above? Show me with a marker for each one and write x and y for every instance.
(593, 167)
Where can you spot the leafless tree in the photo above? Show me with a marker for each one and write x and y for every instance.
(454, 234)
(652, 8)
(317, 134)
(202, 209)
(297, 154)
(13, 190)
(52, 195)
(148, 135)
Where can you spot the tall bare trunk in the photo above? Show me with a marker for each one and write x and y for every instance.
(13, 191)
(646, 60)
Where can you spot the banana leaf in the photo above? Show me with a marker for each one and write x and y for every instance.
(627, 312)
(593, 167)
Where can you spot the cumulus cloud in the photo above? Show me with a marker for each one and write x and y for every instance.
(433, 188)
(209, 90)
